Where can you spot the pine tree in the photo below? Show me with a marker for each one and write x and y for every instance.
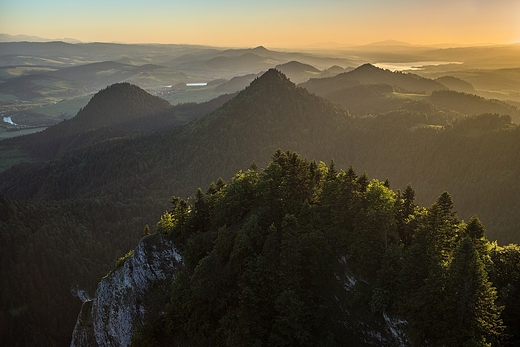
(421, 293)
(471, 314)
(409, 198)
(351, 174)
(220, 183)
(405, 207)
(331, 173)
(363, 182)
(442, 225)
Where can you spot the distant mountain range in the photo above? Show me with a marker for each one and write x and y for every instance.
(28, 38)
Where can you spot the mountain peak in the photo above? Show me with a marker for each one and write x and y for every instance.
(297, 66)
(370, 74)
(368, 67)
(273, 99)
(260, 49)
(119, 105)
(111, 112)
(272, 77)
(389, 43)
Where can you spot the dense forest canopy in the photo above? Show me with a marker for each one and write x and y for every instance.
(300, 254)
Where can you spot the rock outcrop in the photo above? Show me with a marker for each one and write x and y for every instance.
(135, 291)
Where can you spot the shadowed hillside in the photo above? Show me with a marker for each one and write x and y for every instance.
(371, 90)
(369, 74)
(298, 72)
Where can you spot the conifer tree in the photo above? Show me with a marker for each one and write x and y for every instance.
(331, 173)
(363, 182)
(441, 225)
(404, 208)
(351, 174)
(471, 314)
(409, 198)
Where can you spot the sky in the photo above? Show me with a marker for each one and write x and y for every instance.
(289, 23)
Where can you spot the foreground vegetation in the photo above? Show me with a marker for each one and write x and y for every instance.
(302, 255)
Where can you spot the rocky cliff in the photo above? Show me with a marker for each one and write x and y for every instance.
(129, 295)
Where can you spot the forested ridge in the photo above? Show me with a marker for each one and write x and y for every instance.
(301, 254)
(370, 74)
(371, 90)
(111, 188)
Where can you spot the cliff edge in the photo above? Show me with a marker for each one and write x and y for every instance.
(129, 295)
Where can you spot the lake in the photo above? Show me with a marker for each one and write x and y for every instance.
(413, 66)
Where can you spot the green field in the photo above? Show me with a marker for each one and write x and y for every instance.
(7, 97)
(192, 94)
(16, 71)
(4, 134)
(63, 109)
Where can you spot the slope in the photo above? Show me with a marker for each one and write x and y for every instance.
(98, 75)
(369, 74)
(298, 72)
(106, 193)
(44, 86)
(295, 254)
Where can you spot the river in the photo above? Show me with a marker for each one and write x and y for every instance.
(4, 133)
(8, 120)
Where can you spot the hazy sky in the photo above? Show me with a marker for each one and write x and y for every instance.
(265, 22)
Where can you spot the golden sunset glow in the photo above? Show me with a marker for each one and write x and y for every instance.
(270, 23)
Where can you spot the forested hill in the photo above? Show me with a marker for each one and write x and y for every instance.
(102, 196)
(301, 254)
(117, 111)
(441, 105)
(119, 105)
(371, 90)
(471, 104)
(370, 74)
(112, 112)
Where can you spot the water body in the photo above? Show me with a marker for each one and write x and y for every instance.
(8, 120)
(4, 134)
(203, 84)
(414, 66)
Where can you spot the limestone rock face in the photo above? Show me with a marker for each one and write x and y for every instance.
(135, 291)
